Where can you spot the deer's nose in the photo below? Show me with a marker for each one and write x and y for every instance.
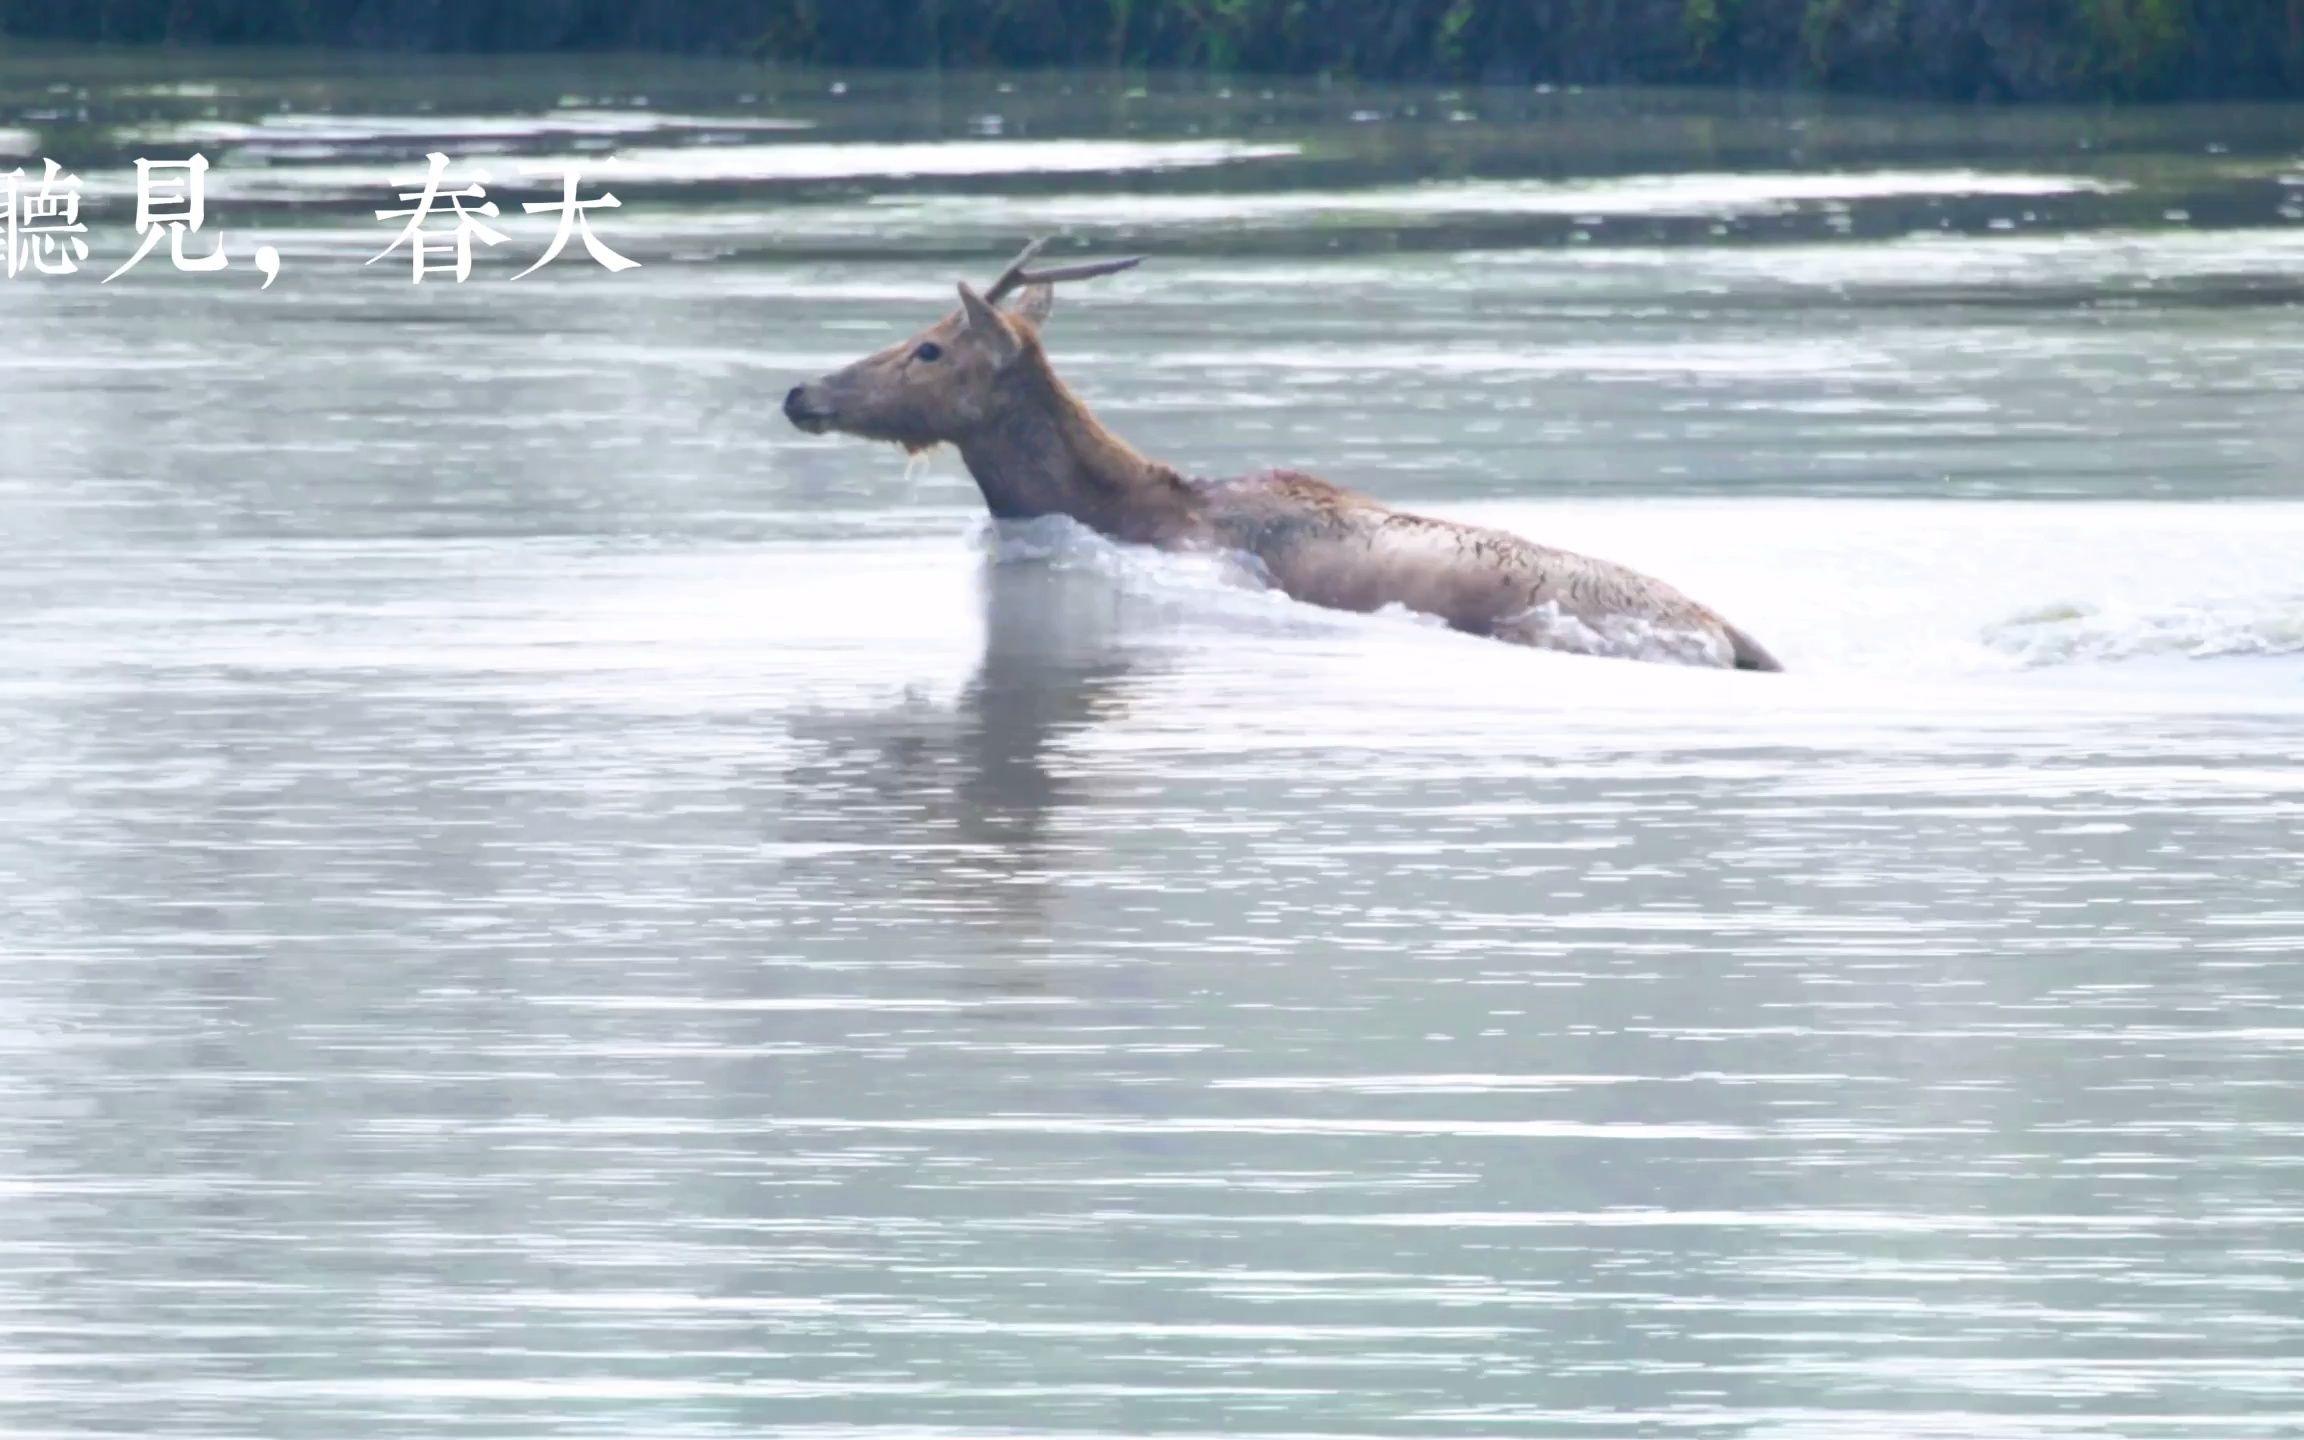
(808, 417)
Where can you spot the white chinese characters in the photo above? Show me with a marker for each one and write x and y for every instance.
(42, 232)
(466, 226)
(572, 220)
(171, 196)
(421, 242)
(42, 227)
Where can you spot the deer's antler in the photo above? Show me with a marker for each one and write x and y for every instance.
(1015, 277)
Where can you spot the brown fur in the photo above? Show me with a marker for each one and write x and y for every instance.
(1034, 449)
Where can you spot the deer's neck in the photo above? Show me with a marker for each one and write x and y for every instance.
(1045, 454)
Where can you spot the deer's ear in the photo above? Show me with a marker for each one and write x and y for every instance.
(1034, 304)
(985, 324)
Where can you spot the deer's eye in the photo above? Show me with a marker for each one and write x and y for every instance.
(929, 350)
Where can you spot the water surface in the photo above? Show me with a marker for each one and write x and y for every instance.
(540, 901)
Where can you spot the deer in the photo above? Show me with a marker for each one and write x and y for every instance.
(980, 380)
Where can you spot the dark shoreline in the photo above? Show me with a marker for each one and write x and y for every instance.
(1957, 50)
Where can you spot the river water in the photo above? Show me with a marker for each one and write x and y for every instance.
(539, 901)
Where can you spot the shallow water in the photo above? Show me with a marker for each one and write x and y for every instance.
(540, 901)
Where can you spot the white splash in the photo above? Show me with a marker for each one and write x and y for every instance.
(2066, 634)
(1626, 637)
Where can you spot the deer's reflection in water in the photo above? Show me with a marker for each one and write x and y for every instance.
(954, 812)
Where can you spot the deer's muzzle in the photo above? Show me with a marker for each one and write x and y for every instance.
(807, 410)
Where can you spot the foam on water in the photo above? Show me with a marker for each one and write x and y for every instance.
(2080, 633)
(1947, 594)
(1201, 588)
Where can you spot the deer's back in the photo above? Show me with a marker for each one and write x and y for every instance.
(1329, 546)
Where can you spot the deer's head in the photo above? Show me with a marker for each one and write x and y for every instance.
(946, 381)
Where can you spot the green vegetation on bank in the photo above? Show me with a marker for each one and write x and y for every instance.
(1954, 49)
